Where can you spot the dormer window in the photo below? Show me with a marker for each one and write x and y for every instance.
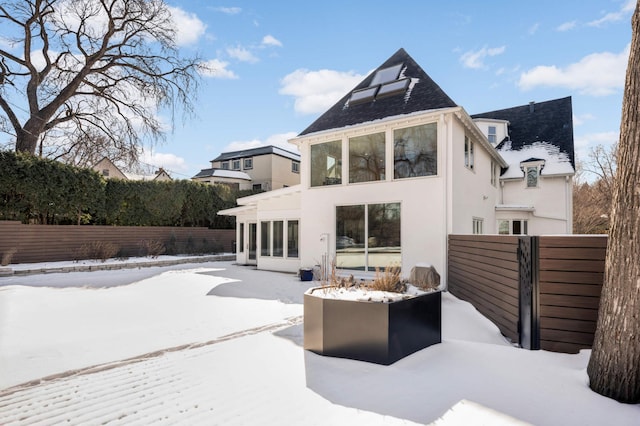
(225, 165)
(532, 169)
(492, 134)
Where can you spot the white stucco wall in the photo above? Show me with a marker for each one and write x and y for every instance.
(552, 201)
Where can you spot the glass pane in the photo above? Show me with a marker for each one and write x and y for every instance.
(253, 230)
(503, 227)
(386, 75)
(326, 163)
(366, 158)
(278, 238)
(265, 239)
(292, 238)
(532, 177)
(415, 151)
(383, 241)
(517, 230)
(350, 237)
(241, 239)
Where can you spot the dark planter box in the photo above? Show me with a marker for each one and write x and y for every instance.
(375, 332)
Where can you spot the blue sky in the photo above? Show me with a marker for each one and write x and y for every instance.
(280, 64)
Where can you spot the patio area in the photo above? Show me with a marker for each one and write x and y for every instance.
(218, 343)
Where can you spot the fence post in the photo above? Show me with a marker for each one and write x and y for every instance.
(529, 288)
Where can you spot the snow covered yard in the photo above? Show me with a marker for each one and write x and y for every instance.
(246, 364)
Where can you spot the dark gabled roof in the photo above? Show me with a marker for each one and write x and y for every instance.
(224, 173)
(422, 94)
(263, 150)
(550, 121)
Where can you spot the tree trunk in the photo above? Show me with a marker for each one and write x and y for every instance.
(27, 140)
(614, 366)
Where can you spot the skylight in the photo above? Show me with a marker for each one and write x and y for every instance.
(394, 87)
(386, 75)
(386, 82)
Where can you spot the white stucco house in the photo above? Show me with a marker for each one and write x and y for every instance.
(396, 166)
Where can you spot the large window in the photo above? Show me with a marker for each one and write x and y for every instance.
(366, 158)
(415, 151)
(368, 236)
(326, 163)
(468, 153)
(292, 238)
(265, 238)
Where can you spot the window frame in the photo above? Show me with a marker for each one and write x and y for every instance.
(492, 137)
(523, 225)
(478, 226)
(400, 142)
(295, 166)
(235, 164)
(469, 156)
(376, 166)
(247, 164)
(330, 176)
(224, 165)
(291, 241)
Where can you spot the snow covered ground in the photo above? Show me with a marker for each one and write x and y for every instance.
(216, 343)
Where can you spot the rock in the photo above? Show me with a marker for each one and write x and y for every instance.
(425, 277)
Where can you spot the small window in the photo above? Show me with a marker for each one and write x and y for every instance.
(225, 165)
(105, 173)
(477, 226)
(532, 177)
(292, 238)
(295, 167)
(248, 163)
(494, 173)
(492, 136)
(236, 165)
(241, 238)
(513, 227)
(257, 186)
(468, 153)
(265, 238)
(278, 238)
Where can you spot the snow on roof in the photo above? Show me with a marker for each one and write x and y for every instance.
(230, 174)
(555, 162)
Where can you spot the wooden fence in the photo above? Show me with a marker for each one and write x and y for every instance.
(542, 292)
(49, 243)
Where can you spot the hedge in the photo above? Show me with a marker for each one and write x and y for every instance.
(36, 190)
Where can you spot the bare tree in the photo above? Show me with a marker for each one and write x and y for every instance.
(614, 366)
(82, 69)
(592, 200)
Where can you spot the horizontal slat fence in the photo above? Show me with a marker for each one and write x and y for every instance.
(483, 270)
(49, 243)
(571, 277)
(564, 276)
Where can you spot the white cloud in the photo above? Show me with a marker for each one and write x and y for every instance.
(627, 8)
(475, 59)
(189, 28)
(228, 10)
(315, 91)
(597, 74)
(534, 28)
(242, 54)
(270, 40)
(169, 162)
(566, 26)
(579, 120)
(279, 140)
(584, 143)
(216, 68)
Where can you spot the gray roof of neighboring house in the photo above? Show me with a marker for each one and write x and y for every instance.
(550, 122)
(222, 173)
(417, 92)
(253, 152)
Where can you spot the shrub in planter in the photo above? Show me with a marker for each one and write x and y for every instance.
(375, 326)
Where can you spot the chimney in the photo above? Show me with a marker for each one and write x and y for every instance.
(532, 106)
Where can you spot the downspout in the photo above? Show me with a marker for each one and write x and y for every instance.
(445, 121)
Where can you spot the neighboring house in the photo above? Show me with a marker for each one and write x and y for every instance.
(396, 166)
(110, 171)
(264, 168)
